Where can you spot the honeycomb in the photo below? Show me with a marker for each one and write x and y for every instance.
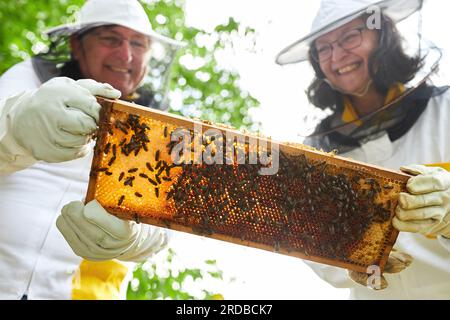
(317, 206)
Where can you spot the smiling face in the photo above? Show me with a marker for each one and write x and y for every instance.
(113, 54)
(348, 69)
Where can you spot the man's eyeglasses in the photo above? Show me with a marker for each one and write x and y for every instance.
(349, 40)
(115, 41)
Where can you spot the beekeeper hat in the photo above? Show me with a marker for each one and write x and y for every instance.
(125, 13)
(335, 13)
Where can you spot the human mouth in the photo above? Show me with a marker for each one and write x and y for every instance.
(119, 70)
(348, 69)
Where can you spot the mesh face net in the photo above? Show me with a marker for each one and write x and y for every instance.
(315, 206)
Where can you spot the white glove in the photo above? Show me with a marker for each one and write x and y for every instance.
(425, 209)
(397, 262)
(55, 122)
(96, 235)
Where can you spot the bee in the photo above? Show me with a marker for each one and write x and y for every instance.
(107, 147)
(129, 181)
(122, 197)
(111, 161)
(160, 170)
(169, 195)
(149, 167)
(137, 194)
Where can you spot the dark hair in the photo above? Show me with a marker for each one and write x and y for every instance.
(388, 64)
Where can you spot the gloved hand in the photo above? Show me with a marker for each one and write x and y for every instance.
(55, 122)
(397, 261)
(425, 209)
(96, 235)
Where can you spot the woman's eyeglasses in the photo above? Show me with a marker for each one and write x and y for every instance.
(349, 40)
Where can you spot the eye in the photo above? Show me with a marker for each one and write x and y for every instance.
(351, 36)
(139, 44)
(110, 40)
(322, 49)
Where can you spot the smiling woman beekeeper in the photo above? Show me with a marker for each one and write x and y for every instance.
(47, 117)
(382, 114)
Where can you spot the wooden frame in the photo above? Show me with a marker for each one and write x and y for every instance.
(397, 178)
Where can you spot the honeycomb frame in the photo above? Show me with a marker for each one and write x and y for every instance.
(318, 207)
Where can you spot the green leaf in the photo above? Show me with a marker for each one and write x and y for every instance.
(216, 274)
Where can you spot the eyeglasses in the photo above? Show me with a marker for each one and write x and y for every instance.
(139, 46)
(349, 40)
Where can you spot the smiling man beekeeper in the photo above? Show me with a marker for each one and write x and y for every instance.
(381, 114)
(47, 117)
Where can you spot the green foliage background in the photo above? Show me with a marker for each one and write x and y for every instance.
(218, 99)
(164, 279)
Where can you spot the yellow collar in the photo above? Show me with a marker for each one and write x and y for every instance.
(133, 96)
(350, 114)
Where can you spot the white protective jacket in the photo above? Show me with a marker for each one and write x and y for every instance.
(34, 257)
(428, 277)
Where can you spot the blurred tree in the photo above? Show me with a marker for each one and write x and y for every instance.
(168, 279)
(22, 23)
(199, 86)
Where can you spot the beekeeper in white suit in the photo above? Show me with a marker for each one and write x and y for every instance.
(46, 154)
(363, 76)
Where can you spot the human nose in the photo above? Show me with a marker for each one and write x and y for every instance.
(338, 52)
(124, 51)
